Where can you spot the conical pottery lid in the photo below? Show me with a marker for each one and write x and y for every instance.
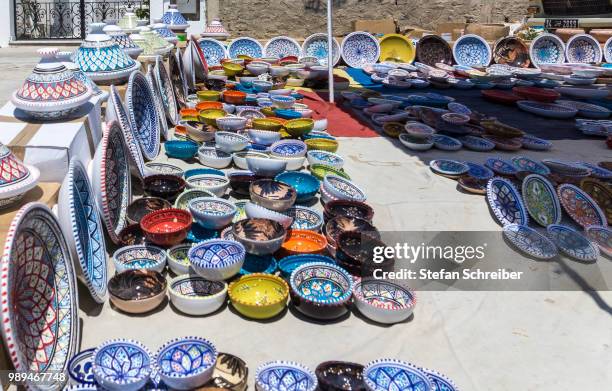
(129, 20)
(215, 29)
(174, 19)
(111, 29)
(154, 40)
(145, 45)
(96, 33)
(15, 177)
(66, 59)
(160, 28)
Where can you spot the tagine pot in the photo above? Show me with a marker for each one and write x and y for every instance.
(129, 21)
(162, 29)
(215, 30)
(66, 59)
(16, 178)
(174, 19)
(123, 40)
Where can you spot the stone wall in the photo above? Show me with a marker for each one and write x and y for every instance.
(300, 18)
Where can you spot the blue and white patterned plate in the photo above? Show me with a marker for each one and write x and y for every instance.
(285, 376)
(472, 50)
(505, 202)
(477, 143)
(316, 46)
(459, 108)
(583, 48)
(572, 243)
(500, 166)
(395, 375)
(122, 364)
(541, 200)
(530, 241)
(439, 381)
(602, 237)
(535, 143)
(143, 114)
(547, 49)
(360, 49)
(478, 171)
(448, 167)
(214, 51)
(446, 143)
(607, 51)
(245, 46)
(523, 163)
(281, 46)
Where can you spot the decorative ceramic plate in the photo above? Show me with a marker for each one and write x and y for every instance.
(245, 46)
(471, 50)
(548, 110)
(511, 51)
(143, 114)
(566, 168)
(446, 143)
(535, 143)
(159, 106)
(177, 78)
(395, 375)
(596, 171)
(523, 163)
(214, 51)
(111, 180)
(583, 48)
(397, 48)
(432, 49)
(600, 193)
(530, 241)
(477, 143)
(360, 49)
(448, 167)
(580, 206)
(602, 236)
(505, 202)
(541, 200)
(38, 294)
(80, 221)
(547, 49)
(572, 243)
(279, 47)
(316, 46)
(164, 86)
(500, 166)
(478, 171)
(607, 51)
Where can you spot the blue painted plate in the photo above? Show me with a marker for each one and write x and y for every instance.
(439, 381)
(477, 143)
(535, 143)
(478, 171)
(523, 163)
(572, 243)
(446, 143)
(214, 51)
(530, 241)
(505, 202)
(448, 167)
(500, 166)
(245, 46)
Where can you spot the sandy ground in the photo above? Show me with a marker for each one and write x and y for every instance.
(503, 341)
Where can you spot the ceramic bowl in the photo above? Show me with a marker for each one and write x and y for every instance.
(240, 158)
(177, 258)
(209, 116)
(322, 144)
(197, 131)
(347, 208)
(261, 85)
(131, 235)
(383, 301)
(215, 184)
(179, 149)
(217, 259)
(305, 218)
(306, 185)
(272, 194)
(231, 124)
(213, 157)
(343, 189)
(265, 167)
(202, 171)
(139, 257)
(80, 370)
(302, 241)
(208, 95)
(137, 291)
(390, 374)
(288, 148)
(288, 264)
(355, 253)
(189, 114)
(247, 81)
(321, 290)
(288, 114)
(231, 69)
(267, 124)
(122, 364)
(163, 186)
(270, 377)
(264, 137)
(240, 181)
(340, 376)
(143, 206)
(258, 264)
(182, 201)
(166, 227)
(194, 295)
(208, 105)
(254, 211)
(231, 142)
(259, 295)
(293, 163)
(339, 224)
(322, 170)
(155, 168)
(212, 212)
(259, 236)
(186, 363)
(282, 101)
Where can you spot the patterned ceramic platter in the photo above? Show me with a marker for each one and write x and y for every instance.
(446, 143)
(80, 221)
(522, 163)
(548, 110)
(580, 206)
(572, 243)
(392, 375)
(477, 143)
(535, 143)
(279, 47)
(214, 51)
(600, 193)
(471, 50)
(432, 49)
(547, 49)
(602, 236)
(316, 46)
(285, 376)
(596, 171)
(360, 49)
(397, 48)
(505, 202)
(245, 46)
(500, 166)
(448, 167)
(177, 78)
(530, 241)
(111, 180)
(583, 48)
(562, 167)
(164, 86)
(511, 51)
(159, 106)
(541, 200)
(478, 171)
(607, 51)
(143, 114)
(38, 291)
(439, 381)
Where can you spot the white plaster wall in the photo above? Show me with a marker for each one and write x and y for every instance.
(6, 23)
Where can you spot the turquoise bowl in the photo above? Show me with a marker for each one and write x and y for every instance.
(201, 171)
(180, 149)
(287, 114)
(288, 264)
(259, 264)
(306, 185)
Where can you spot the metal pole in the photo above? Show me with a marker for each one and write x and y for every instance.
(330, 53)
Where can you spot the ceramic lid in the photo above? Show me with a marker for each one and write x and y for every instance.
(112, 29)
(174, 19)
(215, 29)
(96, 33)
(15, 177)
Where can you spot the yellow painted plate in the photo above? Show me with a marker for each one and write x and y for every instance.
(396, 47)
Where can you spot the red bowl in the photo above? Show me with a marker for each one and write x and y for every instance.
(166, 227)
(499, 96)
(537, 94)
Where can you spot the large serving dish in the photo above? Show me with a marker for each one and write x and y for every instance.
(511, 51)
(214, 51)
(529, 241)
(122, 364)
(580, 206)
(259, 236)
(137, 291)
(449, 168)
(284, 376)
(548, 110)
(572, 243)
(259, 295)
(390, 374)
(360, 49)
(541, 200)
(316, 46)
(506, 202)
(340, 376)
(547, 49)
(471, 50)
(383, 301)
(523, 163)
(144, 116)
(396, 47)
(217, 259)
(281, 46)
(186, 363)
(164, 86)
(583, 48)
(245, 46)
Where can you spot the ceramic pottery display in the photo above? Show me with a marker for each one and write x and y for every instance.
(129, 21)
(195, 295)
(432, 49)
(530, 241)
(511, 51)
(174, 19)
(123, 40)
(80, 221)
(390, 374)
(259, 295)
(66, 59)
(101, 58)
(51, 91)
(143, 115)
(397, 48)
(179, 83)
(360, 49)
(160, 28)
(547, 49)
(111, 180)
(38, 291)
(316, 46)
(137, 291)
(541, 200)
(602, 236)
(217, 259)
(215, 30)
(164, 86)
(383, 301)
(583, 48)
(505, 202)
(16, 178)
(80, 368)
(214, 51)
(284, 376)
(279, 47)
(159, 106)
(122, 364)
(600, 193)
(340, 375)
(523, 163)
(471, 50)
(186, 363)
(572, 243)
(245, 46)
(580, 206)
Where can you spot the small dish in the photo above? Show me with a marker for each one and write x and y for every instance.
(288, 264)
(269, 377)
(258, 264)
(215, 184)
(240, 181)
(213, 157)
(334, 227)
(348, 208)
(208, 95)
(163, 186)
(299, 127)
(212, 212)
(240, 161)
(164, 169)
(322, 144)
(321, 170)
(383, 301)
(340, 376)
(264, 137)
(195, 295)
(182, 201)
(267, 124)
(179, 149)
(137, 291)
(231, 123)
(264, 166)
(143, 206)
(131, 235)
(122, 364)
(288, 148)
(259, 236)
(186, 363)
(167, 227)
(343, 189)
(177, 258)
(302, 241)
(217, 259)
(272, 194)
(209, 116)
(259, 295)
(139, 257)
(305, 218)
(390, 374)
(231, 142)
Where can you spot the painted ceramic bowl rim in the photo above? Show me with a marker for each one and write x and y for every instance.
(346, 296)
(291, 258)
(335, 44)
(123, 341)
(479, 38)
(290, 189)
(295, 365)
(322, 367)
(186, 192)
(358, 294)
(213, 199)
(150, 165)
(207, 243)
(149, 216)
(588, 37)
(200, 341)
(549, 186)
(282, 235)
(177, 247)
(224, 179)
(395, 363)
(256, 276)
(312, 211)
(83, 353)
(433, 373)
(301, 153)
(362, 197)
(519, 200)
(133, 247)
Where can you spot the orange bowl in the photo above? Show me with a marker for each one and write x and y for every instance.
(180, 129)
(189, 114)
(234, 97)
(302, 241)
(208, 105)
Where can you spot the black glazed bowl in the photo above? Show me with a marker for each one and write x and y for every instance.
(137, 291)
(340, 376)
(348, 208)
(167, 187)
(143, 206)
(131, 235)
(339, 224)
(355, 252)
(240, 181)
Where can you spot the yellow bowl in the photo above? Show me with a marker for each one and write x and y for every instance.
(267, 124)
(209, 116)
(300, 126)
(208, 95)
(397, 47)
(268, 112)
(393, 129)
(320, 170)
(322, 144)
(232, 69)
(259, 295)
